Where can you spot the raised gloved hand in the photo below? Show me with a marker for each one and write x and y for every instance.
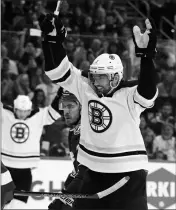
(51, 24)
(145, 44)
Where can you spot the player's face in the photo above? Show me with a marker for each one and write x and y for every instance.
(101, 82)
(71, 112)
(21, 114)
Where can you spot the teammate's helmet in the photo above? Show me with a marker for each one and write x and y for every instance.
(109, 64)
(22, 102)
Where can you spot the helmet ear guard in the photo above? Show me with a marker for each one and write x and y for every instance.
(115, 80)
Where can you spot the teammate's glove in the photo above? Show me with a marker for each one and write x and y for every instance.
(50, 24)
(145, 44)
(69, 179)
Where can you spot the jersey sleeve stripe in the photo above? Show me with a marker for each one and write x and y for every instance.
(60, 70)
(139, 152)
(141, 105)
(51, 116)
(143, 102)
(64, 78)
(6, 178)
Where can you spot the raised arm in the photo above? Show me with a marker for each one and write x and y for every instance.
(145, 47)
(57, 66)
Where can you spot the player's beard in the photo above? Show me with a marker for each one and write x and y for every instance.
(101, 91)
(69, 121)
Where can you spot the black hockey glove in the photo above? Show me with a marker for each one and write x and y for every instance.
(69, 179)
(52, 27)
(145, 44)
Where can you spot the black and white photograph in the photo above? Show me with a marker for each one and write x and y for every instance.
(88, 104)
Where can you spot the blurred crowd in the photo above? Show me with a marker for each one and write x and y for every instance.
(94, 27)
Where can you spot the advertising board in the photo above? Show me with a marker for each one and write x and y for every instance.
(50, 175)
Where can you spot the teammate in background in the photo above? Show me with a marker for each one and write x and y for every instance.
(22, 128)
(72, 114)
(111, 145)
(7, 186)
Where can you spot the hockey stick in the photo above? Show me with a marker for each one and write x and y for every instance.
(98, 195)
(37, 32)
(56, 12)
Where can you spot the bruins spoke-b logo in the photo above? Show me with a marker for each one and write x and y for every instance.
(100, 116)
(19, 132)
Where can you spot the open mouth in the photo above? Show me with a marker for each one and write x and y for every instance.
(99, 87)
(67, 118)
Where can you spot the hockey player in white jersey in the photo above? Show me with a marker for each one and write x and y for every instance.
(111, 145)
(21, 131)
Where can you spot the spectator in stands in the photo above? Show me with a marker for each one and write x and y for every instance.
(79, 54)
(66, 23)
(77, 17)
(70, 48)
(149, 137)
(165, 142)
(159, 155)
(22, 86)
(33, 20)
(126, 35)
(35, 73)
(90, 56)
(16, 44)
(116, 48)
(65, 9)
(164, 115)
(39, 7)
(87, 28)
(30, 50)
(12, 64)
(100, 18)
(96, 47)
(110, 24)
(7, 84)
(89, 7)
(143, 124)
(166, 86)
(84, 65)
(39, 99)
(121, 16)
(108, 5)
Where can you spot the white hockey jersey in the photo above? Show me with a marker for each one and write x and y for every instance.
(21, 138)
(111, 141)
